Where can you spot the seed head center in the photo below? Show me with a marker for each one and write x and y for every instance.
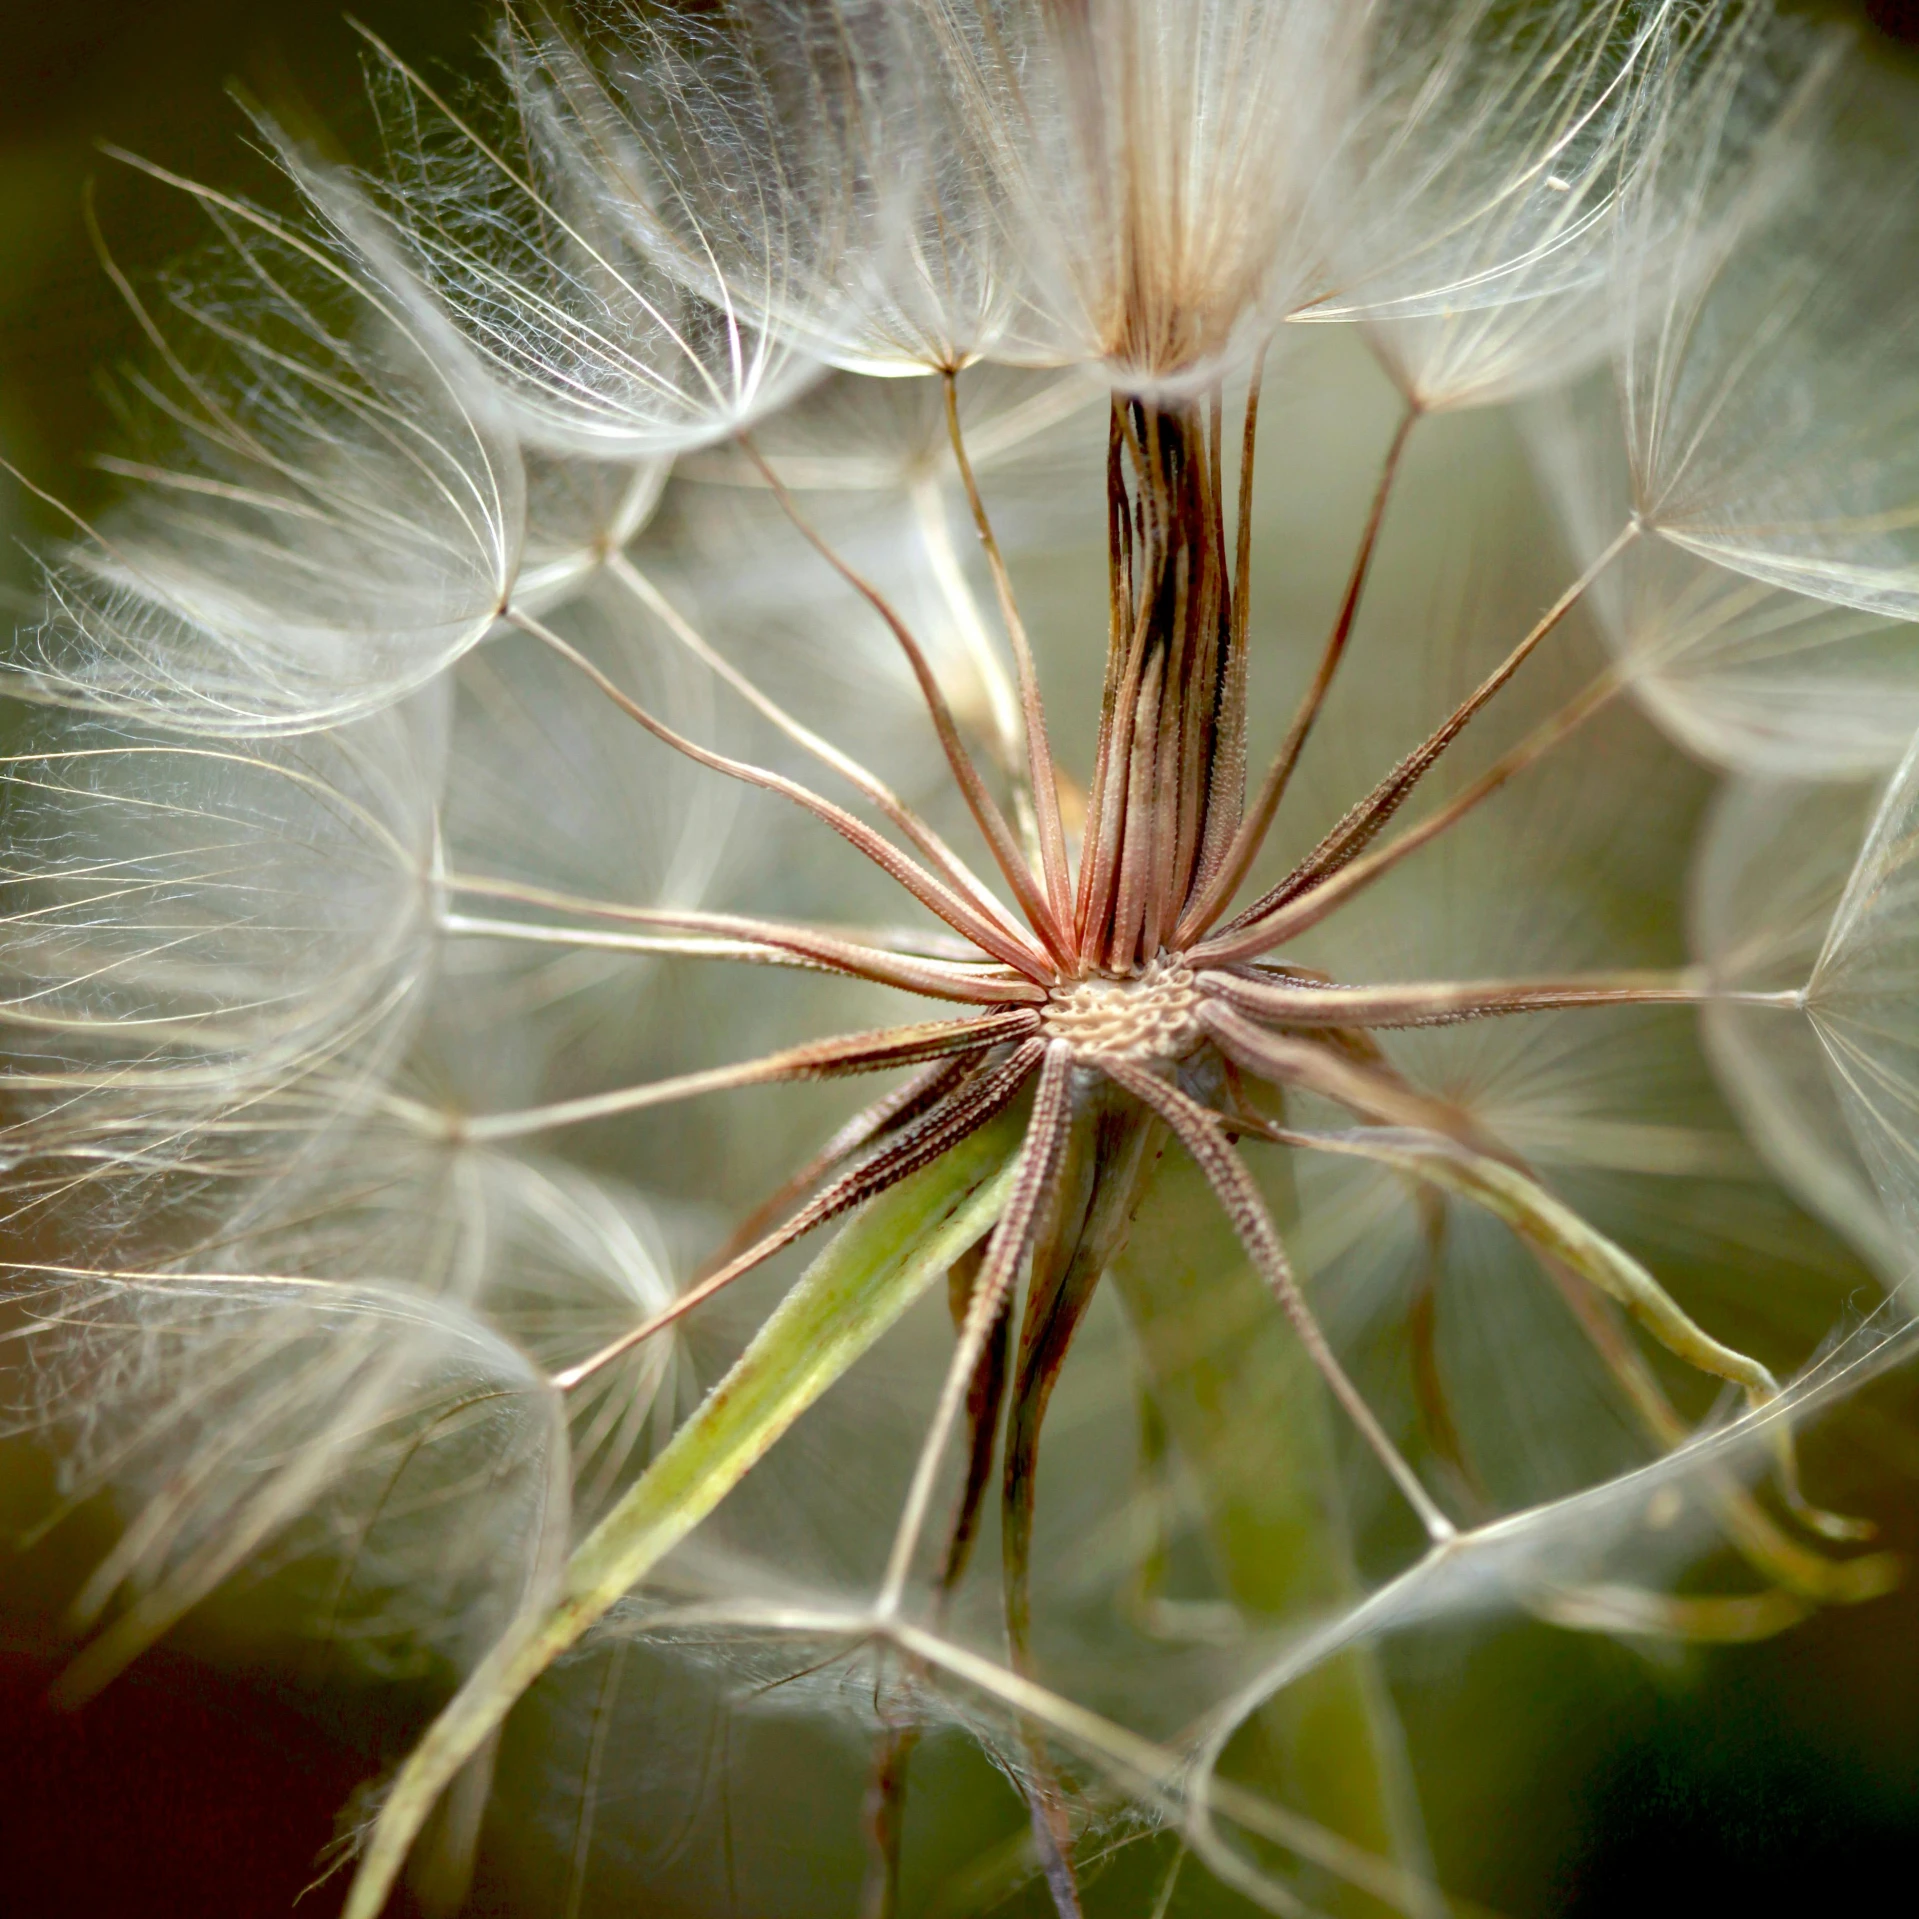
(1150, 1017)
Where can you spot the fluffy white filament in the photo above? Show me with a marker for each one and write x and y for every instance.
(513, 566)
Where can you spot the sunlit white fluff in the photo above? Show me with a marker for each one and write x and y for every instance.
(553, 1259)
(1863, 999)
(814, 162)
(351, 1398)
(1159, 162)
(1475, 235)
(1757, 679)
(560, 260)
(322, 520)
(1748, 675)
(1767, 879)
(193, 925)
(1771, 369)
(248, 1419)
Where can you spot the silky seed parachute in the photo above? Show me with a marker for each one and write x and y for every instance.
(767, 519)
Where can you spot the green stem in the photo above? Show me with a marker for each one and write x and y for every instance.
(1245, 1411)
(896, 1247)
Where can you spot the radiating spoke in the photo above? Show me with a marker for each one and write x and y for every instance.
(928, 890)
(1365, 820)
(1252, 831)
(916, 1145)
(1199, 1130)
(985, 810)
(596, 939)
(1039, 748)
(818, 1059)
(918, 942)
(944, 859)
(1327, 1066)
(802, 945)
(1447, 1002)
(1012, 1238)
(1320, 885)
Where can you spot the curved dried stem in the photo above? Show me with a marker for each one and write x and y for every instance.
(1200, 1131)
(929, 891)
(944, 859)
(1252, 830)
(984, 1398)
(1012, 1238)
(1039, 749)
(916, 1145)
(1110, 1150)
(980, 803)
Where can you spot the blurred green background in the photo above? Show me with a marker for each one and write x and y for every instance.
(1781, 1778)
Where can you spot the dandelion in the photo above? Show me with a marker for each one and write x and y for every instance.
(332, 526)
(689, 457)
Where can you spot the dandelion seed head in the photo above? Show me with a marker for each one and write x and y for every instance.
(611, 599)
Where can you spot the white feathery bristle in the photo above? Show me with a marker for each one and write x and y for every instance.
(352, 1399)
(1863, 1000)
(1748, 676)
(1475, 236)
(813, 164)
(1766, 880)
(381, 1457)
(578, 512)
(324, 524)
(193, 926)
(596, 284)
(1159, 163)
(1771, 365)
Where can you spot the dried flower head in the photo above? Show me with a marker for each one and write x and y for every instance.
(619, 587)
